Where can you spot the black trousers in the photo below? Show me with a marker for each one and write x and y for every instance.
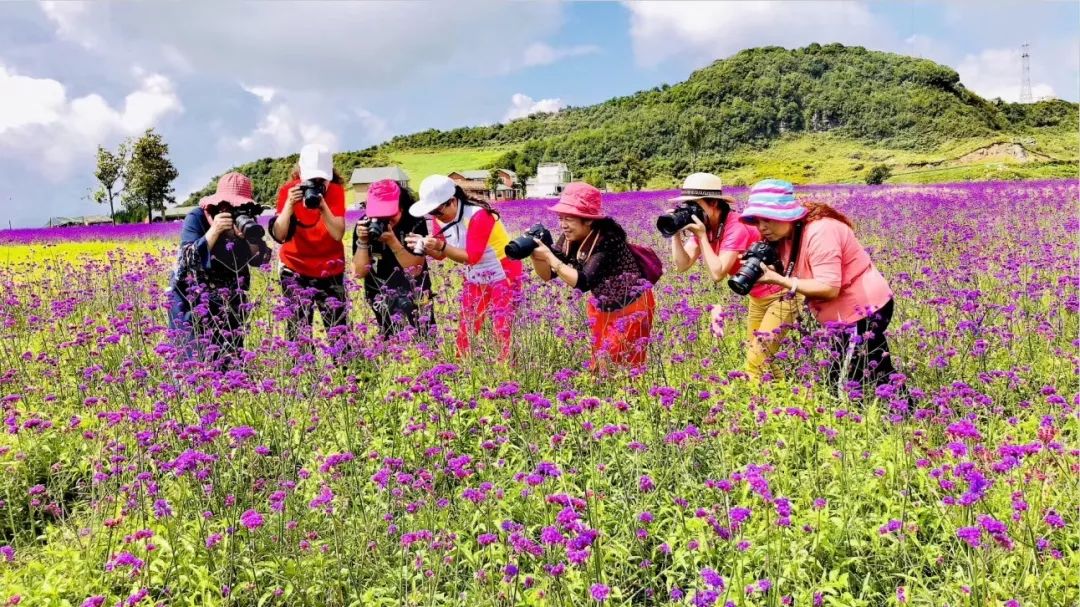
(306, 294)
(868, 361)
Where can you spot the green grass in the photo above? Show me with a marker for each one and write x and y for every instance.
(421, 163)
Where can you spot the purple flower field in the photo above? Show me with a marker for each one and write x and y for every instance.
(403, 476)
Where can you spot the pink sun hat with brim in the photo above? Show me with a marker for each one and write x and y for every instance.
(233, 188)
(580, 200)
(383, 197)
(772, 199)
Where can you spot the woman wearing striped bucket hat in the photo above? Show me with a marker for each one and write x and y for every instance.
(718, 239)
(833, 271)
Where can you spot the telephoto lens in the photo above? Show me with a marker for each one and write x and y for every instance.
(524, 245)
(754, 261)
(669, 224)
(249, 227)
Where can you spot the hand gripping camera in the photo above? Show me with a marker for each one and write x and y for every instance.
(754, 261)
(312, 191)
(669, 224)
(243, 218)
(523, 246)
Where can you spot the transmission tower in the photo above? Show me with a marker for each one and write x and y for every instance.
(1025, 75)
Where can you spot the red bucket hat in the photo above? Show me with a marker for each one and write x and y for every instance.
(580, 200)
(233, 188)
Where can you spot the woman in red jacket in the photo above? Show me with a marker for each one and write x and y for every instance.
(310, 224)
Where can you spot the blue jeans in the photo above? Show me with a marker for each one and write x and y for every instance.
(208, 326)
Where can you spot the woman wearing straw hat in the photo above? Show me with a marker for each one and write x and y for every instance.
(593, 255)
(208, 289)
(718, 242)
(469, 232)
(828, 266)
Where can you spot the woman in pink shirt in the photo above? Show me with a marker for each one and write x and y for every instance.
(719, 242)
(832, 271)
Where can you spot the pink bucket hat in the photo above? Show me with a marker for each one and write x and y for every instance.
(580, 200)
(233, 188)
(382, 198)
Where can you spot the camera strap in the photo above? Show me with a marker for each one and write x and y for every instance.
(796, 244)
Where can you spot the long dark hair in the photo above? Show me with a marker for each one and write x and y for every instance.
(463, 198)
(336, 178)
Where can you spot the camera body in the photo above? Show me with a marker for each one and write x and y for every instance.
(244, 218)
(669, 224)
(312, 191)
(523, 246)
(754, 261)
(377, 227)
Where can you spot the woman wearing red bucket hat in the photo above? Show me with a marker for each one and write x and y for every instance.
(208, 288)
(594, 255)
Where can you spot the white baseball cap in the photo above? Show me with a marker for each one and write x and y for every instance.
(434, 190)
(316, 162)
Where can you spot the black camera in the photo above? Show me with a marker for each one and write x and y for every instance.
(244, 218)
(754, 261)
(376, 228)
(523, 246)
(669, 224)
(312, 191)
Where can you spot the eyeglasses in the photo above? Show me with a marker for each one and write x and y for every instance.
(438, 210)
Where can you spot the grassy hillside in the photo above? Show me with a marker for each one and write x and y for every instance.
(820, 113)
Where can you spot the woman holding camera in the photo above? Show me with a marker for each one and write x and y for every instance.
(719, 241)
(593, 255)
(470, 232)
(832, 270)
(397, 284)
(310, 224)
(208, 289)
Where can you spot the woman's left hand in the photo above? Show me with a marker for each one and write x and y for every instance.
(542, 252)
(771, 277)
(697, 228)
(388, 238)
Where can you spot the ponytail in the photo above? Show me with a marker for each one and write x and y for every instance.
(820, 210)
(464, 198)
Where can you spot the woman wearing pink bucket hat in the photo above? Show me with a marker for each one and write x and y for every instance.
(208, 288)
(593, 255)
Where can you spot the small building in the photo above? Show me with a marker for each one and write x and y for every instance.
(476, 184)
(85, 220)
(177, 213)
(362, 179)
(549, 181)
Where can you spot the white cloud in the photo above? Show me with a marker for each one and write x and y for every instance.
(294, 46)
(522, 105)
(996, 73)
(540, 53)
(705, 31)
(281, 131)
(265, 93)
(45, 131)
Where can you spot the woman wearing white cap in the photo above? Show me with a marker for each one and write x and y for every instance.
(720, 241)
(469, 232)
(310, 224)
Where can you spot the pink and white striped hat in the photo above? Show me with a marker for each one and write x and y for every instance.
(772, 199)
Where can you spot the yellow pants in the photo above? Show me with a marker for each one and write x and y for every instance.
(764, 318)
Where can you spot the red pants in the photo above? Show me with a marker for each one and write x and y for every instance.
(622, 336)
(477, 301)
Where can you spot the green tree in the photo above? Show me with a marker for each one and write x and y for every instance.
(493, 182)
(149, 174)
(693, 134)
(878, 175)
(109, 173)
(633, 171)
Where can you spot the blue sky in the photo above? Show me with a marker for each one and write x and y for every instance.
(229, 82)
